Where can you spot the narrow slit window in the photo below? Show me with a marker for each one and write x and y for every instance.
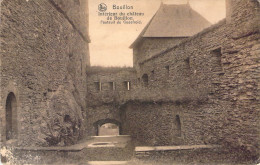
(127, 85)
(145, 80)
(187, 62)
(178, 126)
(81, 67)
(167, 70)
(216, 56)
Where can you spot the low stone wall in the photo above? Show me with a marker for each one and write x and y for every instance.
(194, 155)
(156, 123)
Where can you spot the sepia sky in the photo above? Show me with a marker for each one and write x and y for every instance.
(110, 43)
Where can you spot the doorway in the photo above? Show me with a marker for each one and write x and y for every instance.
(11, 116)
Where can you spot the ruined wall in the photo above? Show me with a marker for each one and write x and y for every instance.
(44, 53)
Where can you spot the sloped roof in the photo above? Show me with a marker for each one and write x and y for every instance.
(173, 21)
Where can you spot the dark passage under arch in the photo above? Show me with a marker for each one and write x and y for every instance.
(11, 116)
(107, 127)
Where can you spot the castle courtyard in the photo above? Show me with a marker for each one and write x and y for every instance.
(190, 97)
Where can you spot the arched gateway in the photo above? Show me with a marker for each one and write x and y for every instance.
(11, 117)
(107, 127)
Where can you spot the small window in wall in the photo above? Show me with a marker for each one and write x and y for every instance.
(67, 119)
(127, 85)
(112, 86)
(145, 80)
(152, 72)
(187, 62)
(167, 70)
(98, 86)
(216, 60)
(81, 67)
(178, 126)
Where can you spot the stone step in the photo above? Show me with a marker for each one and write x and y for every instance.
(144, 152)
(165, 148)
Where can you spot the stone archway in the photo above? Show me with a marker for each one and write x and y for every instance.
(11, 117)
(108, 129)
(107, 122)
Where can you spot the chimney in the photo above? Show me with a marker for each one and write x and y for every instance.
(229, 10)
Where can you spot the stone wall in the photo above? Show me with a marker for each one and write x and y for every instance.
(195, 156)
(150, 46)
(44, 53)
(156, 123)
(152, 123)
(215, 72)
(105, 103)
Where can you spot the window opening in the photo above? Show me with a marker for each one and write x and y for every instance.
(11, 117)
(167, 70)
(178, 126)
(112, 86)
(216, 60)
(98, 86)
(145, 80)
(127, 85)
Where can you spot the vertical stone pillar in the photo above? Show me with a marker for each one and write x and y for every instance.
(229, 11)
